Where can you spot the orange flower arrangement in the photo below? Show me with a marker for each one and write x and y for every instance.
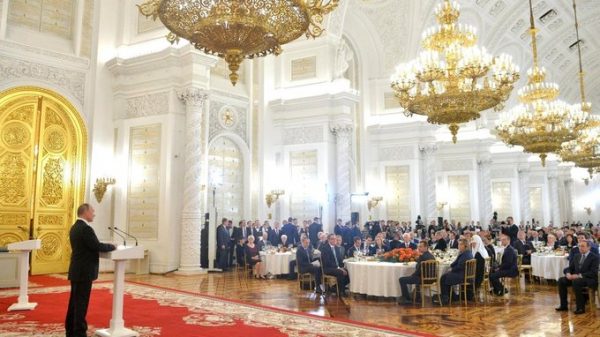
(400, 255)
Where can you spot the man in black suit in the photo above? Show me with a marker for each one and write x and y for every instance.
(223, 240)
(415, 278)
(240, 235)
(452, 243)
(313, 232)
(355, 247)
(511, 229)
(305, 259)
(275, 234)
(507, 268)
(439, 243)
(332, 259)
(582, 272)
(83, 269)
(291, 231)
(524, 248)
(456, 274)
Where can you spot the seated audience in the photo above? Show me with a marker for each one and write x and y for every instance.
(379, 247)
(453, 243)
(456, 274)
(439, 243)
(406, 242)
(355, 247)
(415, 278)
(523, 248)
(551, 242)
(252, 252)
(507, 267)
(333, 263)
(480, 254)
(582, 272)
(489, 247)
(339, 244)
(308, 262)
(395, 243)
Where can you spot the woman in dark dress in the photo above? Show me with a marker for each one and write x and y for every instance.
(253, 257)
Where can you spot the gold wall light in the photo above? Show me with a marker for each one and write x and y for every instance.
(100, 187)
(373, 202)
(272, 197)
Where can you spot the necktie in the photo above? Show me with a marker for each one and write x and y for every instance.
(581, 261)
(335, 256)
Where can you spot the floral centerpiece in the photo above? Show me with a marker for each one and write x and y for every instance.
(400, 255)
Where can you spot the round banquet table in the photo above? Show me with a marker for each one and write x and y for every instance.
(277, 263)
(376, 278)
(549, 267)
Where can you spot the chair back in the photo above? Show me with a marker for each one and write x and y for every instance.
(519, 261)
(487, 268)
(498, 258)
(470, 271)
(429, 271)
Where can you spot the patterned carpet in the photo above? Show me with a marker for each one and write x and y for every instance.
(156, 311)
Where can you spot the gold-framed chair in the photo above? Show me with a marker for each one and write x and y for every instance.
(304, 278)
(469, 280)
(485, 283)
(329, 281)
(429, 280)
(241, 270)
(507, 281)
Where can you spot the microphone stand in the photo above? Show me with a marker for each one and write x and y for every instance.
(113, 229)
(129, 235)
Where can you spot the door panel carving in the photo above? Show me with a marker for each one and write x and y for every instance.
(42, 158)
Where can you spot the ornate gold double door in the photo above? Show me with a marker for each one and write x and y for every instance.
(42, 165)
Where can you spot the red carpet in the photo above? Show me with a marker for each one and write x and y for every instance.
(160, 312)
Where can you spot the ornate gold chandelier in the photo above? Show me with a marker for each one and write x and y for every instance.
(239, 29)
(540, 123)
(453, 80)
(585, 150)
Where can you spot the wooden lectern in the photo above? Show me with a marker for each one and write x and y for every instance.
(120, 257)
(23, 248)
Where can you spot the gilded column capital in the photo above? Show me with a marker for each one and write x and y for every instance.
(192, 96)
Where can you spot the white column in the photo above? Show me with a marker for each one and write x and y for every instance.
(554, 200)
(191, 215)
(343, 134)
(429, 201)
(569, 200)
(524, 201)
(485, 191)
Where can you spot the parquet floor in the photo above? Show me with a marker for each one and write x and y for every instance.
(530, 313)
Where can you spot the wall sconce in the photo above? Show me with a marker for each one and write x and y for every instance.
(272, 197)
(373, 202)
(588, 210)
(100, 187)
(441, 205)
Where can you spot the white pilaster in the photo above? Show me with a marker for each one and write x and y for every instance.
(524, 195)
(569, 200)
(428, 182)
(485, 191)
(343, 134)
(554, 199)
(191, 215)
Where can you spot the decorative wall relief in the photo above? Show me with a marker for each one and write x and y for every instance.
(227, 118)
(146, 105)
(303, 135)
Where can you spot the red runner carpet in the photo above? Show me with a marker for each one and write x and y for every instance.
(161, 312)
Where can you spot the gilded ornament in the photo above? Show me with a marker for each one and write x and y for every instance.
(52, 183)
(236, 30)
(55, 139)
(51, 247)
(12, 179)
(15, 136)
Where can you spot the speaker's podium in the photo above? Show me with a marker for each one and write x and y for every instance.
(120, 256)
(23, 248)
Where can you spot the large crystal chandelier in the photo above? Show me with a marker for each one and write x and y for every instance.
(585, 150)
(453, 80)
(239, 29)
(540, 123)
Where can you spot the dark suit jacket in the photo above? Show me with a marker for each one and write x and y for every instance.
(223, 237)
(459, 265)
(238, 233)
(522, 248)
(290, 230)
(313, 232)
(351, 250)
(453, 244)
(338, 230)
(85, 252)
(374, 230)
(411, 245)
(441, 244)
(304, 257)
(424, 257)
(394, 244)
(373, 249)
(509, 261)
(588, 271)
(275, 237)
(329, 261)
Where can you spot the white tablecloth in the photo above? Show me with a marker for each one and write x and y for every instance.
(277, 263)
(380, 278)
(549, 267)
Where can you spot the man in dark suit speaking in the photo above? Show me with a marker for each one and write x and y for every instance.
(83, 269)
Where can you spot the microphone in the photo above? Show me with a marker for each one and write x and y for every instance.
(113, 229)
(129, 235)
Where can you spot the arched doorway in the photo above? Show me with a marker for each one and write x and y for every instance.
(42, 168)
